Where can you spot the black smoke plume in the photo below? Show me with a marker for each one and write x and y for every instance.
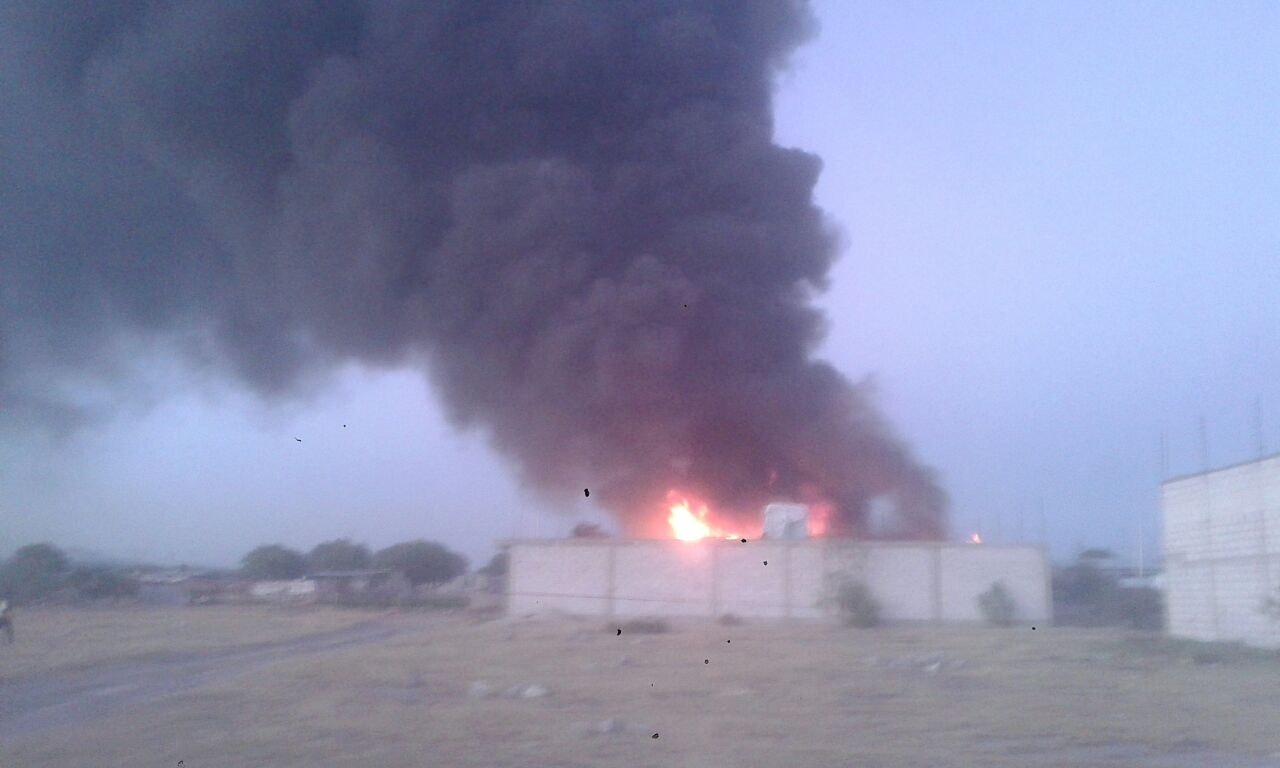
(572, 215)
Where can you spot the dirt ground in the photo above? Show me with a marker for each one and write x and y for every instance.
(413, 689)
(51, 639)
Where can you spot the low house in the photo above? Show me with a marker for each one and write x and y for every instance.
(181, 586)
(293, 591)
(163, 590)
(361, 587)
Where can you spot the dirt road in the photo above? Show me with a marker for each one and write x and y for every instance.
(65, 698)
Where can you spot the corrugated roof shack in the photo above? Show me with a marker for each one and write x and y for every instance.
(367, 587)
(1222, 553)
(185, 587)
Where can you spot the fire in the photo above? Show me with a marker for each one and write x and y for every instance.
(688, 526)
(819, 516)
(975, 538)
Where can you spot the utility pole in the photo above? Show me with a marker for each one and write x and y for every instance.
(1259, 433)
(1204, 444)
(1164, 456)
(1141, 569)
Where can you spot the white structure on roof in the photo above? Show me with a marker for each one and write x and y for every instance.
(786, 521)
(1222, 553)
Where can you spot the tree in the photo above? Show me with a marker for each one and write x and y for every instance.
(273, 562)
(34, 571)
(423, 562)
(338, 555)
(95, 582)
(497, 567)
(1086, 593)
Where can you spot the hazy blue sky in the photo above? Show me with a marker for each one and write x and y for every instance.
(1063, 228)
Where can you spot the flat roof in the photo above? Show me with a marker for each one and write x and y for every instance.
(1237, 465)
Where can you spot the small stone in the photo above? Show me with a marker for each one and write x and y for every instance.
(534, 692)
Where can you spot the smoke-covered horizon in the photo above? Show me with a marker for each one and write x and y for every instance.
(572, 216)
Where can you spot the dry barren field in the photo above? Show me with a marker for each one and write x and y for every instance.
(236, 687)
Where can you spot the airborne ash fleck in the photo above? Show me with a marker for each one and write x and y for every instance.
(571, 215)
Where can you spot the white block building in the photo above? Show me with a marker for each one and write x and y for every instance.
(1222, 552)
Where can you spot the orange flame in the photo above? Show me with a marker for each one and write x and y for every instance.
(975, 538)
(688, 526)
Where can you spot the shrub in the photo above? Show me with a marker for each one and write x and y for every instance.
(274, 563)
(856, 605)
(998, 606)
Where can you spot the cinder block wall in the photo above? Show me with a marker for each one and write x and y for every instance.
(1222, 552)
(769, 579)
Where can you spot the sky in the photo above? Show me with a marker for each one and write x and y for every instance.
(1061, 230)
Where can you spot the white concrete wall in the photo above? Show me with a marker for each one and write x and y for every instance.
(1222, 553)
(771, 579)
(559, 578)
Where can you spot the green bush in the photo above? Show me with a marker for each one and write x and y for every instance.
(856, 605)
(998, 606)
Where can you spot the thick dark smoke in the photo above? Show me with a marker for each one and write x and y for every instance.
(571, 214)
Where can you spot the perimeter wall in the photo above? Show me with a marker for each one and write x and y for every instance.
(913, 581)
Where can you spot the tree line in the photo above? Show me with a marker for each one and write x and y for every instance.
(42, 571)
(422, 562)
